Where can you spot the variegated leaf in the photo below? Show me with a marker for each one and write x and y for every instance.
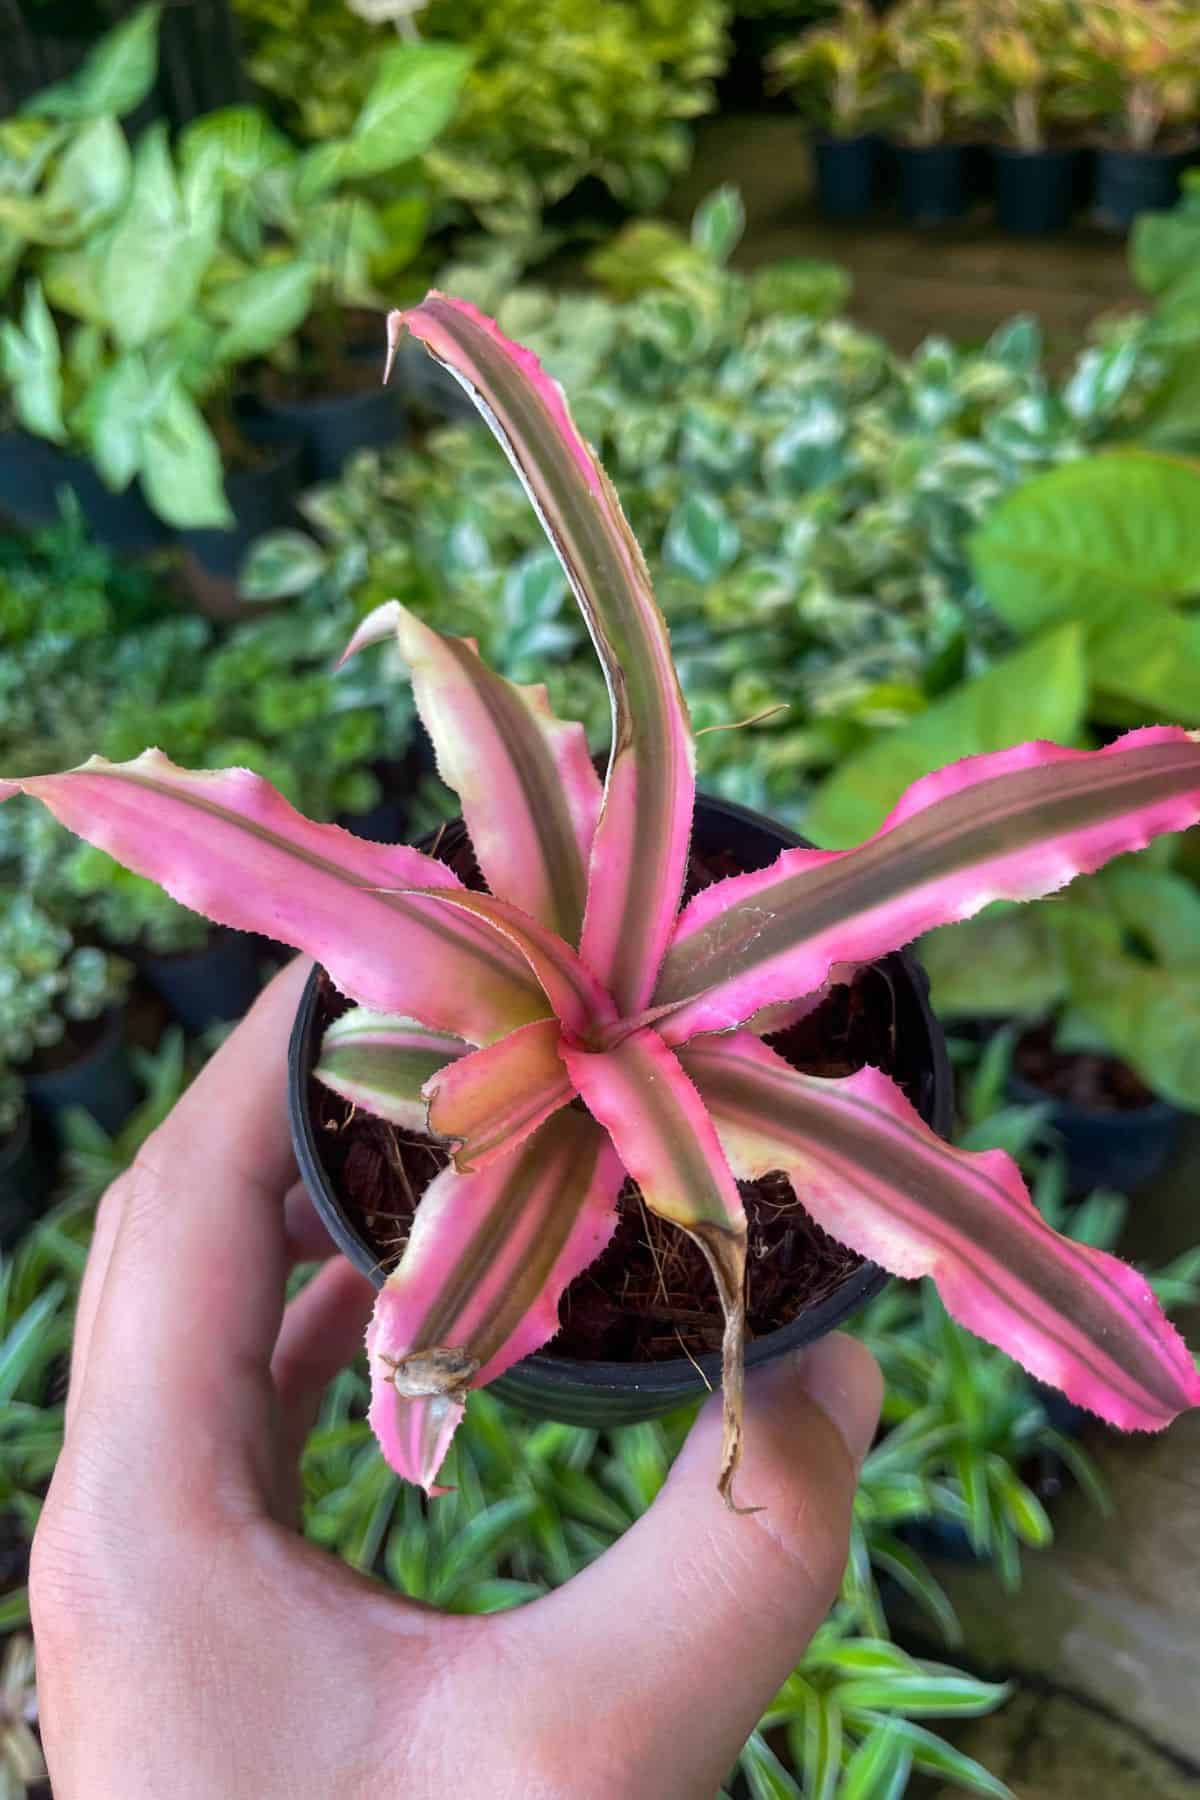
(639, 856)
(479, 1283)
(489, 1102)
(381, 1062)
(872, 1174)
(1008, 826)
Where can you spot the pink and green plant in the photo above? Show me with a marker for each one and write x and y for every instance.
(571, 1028)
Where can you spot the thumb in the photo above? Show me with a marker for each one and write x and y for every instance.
(682, 1632)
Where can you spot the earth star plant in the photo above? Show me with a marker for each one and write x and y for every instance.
(482, 1016)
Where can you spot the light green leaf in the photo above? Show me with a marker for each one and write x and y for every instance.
(766, 1777)
(160, 247)
(1004, 964)
(411, 100)
(262, 308)
(181, 466)
(281, 564)
(114, 416)
(115, 77)
(701, 539)
(1147, 1014)
(1091, 539)
(91, 181)
(1149, 664)
(879, 1768)
(933, 1756)
(234, 146)
(32, 366)
(719, 223)
(1039, 692)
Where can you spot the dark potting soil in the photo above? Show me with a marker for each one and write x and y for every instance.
(649, 1296)
(1101, 1083)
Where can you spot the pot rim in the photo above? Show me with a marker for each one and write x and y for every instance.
(670, 1375)
(111, 1034)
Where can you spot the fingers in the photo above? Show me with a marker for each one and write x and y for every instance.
(322, 1331)
(685, 1629)
(307, 1238)
(177, 1347)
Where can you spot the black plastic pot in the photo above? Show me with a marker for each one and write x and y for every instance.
(614, 1393)
(932, 182)
(33, 475)
(21, 1182)
(1106, 1147)
(1034, 189)
(331, 429)
(1129, 182)
(261, 500)
(847, 175)
(102, 1081)
(207, 987)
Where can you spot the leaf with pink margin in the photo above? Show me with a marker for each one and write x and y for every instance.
(490, 1101)
(227, 844)
(382, 1061)
(871, 1173)
(666, 1140)
(530, 796)
(1011, 825)
(575, 996)
(639, 854)
(480, 1280)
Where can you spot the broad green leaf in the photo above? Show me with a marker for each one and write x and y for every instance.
(701, 540)
(1004, 964)
(262, 309)
(1150, 662)
(1162, 247)
(181, 466)
(234, 146)
(1092, 538)
(31, 362)
(115, 77)
(90, 182)
(160, 246)
(281, 564)
(412, 98)
(1039, 692)
(1148, 1014)
(116, 412)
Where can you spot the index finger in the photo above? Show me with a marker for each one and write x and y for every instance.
(192, 1296)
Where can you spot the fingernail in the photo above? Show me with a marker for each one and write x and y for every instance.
(843, 1379)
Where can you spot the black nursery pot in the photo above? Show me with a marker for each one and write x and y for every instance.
(932, 182)
(1105, 1146)
(329, 430)
(33, 474)
(210, 986)
(1129, 182)
(1035, 190)
(622, 1393)
(101, 1081)
(260, 500)
(847, 171)
(21, 1181)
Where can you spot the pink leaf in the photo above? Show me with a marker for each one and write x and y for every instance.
(1008, 826)
(870, 1171)
(667, 1142)
(639, 856)
(530, 796)
(489, 1102)
(225, 843)
(479, 1283)
(381, 1062)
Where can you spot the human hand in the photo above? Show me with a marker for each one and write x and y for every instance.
(192, 1646)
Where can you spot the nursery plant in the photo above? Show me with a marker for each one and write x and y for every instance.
(1142, 70)
(48, 983)
(574, 976)
(933, 47)
(1031, 70)
(837, 72)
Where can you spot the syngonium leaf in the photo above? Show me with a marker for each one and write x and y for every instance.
(31, 361)
(115, 77)
(160, 247)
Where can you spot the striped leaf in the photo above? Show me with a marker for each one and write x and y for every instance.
(870, 1171)
(381, 1062)
(530, 796)
(639, 857)
(489, 1102)
(1008, 826)
(225, 843)
(479, 1282)
(667, 1142)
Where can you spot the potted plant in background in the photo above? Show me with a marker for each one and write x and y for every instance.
(932, 47)
(1104, 986)
(837, 73)
(484, 1022)
(1030, 73)
(1143, 62)
(20, 1174)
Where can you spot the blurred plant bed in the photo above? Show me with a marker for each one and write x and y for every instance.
(182, 316)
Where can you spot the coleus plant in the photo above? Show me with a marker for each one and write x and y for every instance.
(570, 1027)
